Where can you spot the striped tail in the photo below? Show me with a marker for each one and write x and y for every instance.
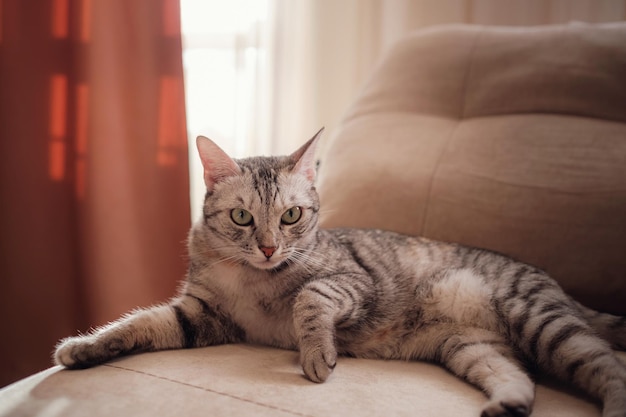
(609, 327)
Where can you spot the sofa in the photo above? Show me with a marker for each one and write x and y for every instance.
(509, 139)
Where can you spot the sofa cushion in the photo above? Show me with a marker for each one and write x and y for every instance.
(509, 139)
(245, 380)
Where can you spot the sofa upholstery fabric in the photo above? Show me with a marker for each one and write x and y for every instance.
(254, 381)
(509, 139)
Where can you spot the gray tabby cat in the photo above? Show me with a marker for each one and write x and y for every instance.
(262, 271)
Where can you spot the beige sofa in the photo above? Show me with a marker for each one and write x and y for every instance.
(508, 139)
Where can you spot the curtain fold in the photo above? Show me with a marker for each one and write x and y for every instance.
(94, 181)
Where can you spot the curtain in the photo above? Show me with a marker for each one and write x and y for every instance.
(325, 49)
(94, 189)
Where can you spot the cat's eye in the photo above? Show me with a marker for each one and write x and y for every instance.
(291, 216)
(241, 217)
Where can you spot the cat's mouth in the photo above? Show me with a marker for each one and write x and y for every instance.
(269, 264)
(277, 261)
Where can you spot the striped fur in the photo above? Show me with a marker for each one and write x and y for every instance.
(363, 293)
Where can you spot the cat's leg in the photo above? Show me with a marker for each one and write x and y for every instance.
(317, 309)
(596, 370)
(611, 328)
(485, 359)
(565, 346)
(562, 338)
(186, 322)
(142, 330)
(313, 318)
(590, 363)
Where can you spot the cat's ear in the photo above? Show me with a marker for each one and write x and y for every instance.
(305, 157)
(217, 164)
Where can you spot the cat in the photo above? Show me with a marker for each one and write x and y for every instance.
(262, 271)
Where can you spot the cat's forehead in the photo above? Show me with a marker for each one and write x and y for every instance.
(265, 165)
(266, 180)
(267, 173)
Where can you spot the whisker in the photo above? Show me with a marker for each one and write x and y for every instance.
(310, 261)
(208, 251)
(226, 259)
(322, 212)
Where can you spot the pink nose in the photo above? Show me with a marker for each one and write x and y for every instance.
(268, 251)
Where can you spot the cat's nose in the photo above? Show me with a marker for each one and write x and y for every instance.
(268, 251)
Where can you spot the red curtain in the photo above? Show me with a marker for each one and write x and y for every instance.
(94, 185)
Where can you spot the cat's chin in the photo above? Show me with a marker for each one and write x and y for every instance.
(270, 265)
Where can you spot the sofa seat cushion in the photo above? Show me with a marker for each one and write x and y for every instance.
(246, 380)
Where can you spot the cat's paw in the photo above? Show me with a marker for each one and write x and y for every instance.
(85, 351)
(513, 399)
(506, 409)
(318, 363)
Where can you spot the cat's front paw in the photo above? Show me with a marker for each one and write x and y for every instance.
(506, 409)
(318, 363)
(85, 351)
(511, 400)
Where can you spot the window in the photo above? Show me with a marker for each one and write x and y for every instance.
(225, 59)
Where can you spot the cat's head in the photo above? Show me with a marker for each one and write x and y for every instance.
(260, 211)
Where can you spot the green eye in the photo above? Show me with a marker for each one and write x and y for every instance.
(291, 216)
(241, 217)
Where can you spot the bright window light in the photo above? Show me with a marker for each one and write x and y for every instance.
(225, 60)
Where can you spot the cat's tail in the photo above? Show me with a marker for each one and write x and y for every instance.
(611, 328)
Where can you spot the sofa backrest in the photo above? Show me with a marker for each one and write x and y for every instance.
(509, 139)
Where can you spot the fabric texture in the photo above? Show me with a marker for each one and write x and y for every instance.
(509, 139)
(242, 380)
